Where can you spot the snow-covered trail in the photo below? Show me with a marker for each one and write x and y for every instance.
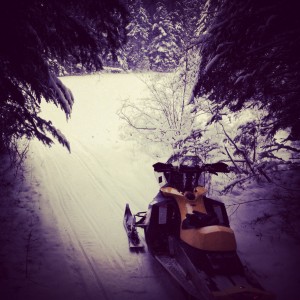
(85, 193)
(61, 227)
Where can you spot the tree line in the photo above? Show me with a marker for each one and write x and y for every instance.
(235, 56)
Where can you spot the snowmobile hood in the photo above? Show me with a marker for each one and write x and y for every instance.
(210, 237)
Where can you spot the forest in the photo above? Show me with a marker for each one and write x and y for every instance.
(233, 56)
(220, 61)
(112, 86)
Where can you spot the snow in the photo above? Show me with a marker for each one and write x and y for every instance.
(214, 60)
(264, 246)
(62, 221)
(244, 77)
(64, 95)
(79, 198)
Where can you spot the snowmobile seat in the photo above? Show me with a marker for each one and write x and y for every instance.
(198, 220)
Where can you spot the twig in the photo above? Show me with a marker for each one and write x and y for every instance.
(246, 202)
(235, 210)
(230, 186)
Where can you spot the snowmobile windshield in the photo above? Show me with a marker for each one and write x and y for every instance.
(185, 178)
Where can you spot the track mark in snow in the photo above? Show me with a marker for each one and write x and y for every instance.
(63, 197)
(88, 189)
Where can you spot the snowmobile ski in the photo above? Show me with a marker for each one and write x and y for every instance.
(131, 230)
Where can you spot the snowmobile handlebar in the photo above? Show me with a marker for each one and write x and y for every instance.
(215, 168)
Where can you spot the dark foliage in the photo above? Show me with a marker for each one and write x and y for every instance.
(37, 37)
(250, 57)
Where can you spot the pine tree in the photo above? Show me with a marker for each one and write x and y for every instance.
(138, 31)
(250, 57)
(39, 36)
(163, 50)
(187, 13)
(178, 31)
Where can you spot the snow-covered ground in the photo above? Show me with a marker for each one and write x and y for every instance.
(67, 240)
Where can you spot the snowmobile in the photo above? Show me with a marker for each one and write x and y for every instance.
(190, 236)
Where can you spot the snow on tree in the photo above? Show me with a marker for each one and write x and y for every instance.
(163, 50)
(187, 14)
(39, 36)
(166, 119)
(138, 31)
(250, 58)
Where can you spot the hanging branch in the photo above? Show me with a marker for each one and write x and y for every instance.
(230, 157)
(247, 160)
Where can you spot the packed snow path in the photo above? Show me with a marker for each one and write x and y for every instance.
(84, 193)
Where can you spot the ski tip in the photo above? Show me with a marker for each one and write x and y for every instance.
(137, 248)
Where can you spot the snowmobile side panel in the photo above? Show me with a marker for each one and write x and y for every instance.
(218, 209)
(162, 220)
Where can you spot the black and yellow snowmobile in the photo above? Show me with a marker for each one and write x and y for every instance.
(189, 234)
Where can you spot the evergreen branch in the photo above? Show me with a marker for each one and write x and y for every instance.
(249, 163)
(281, 146)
